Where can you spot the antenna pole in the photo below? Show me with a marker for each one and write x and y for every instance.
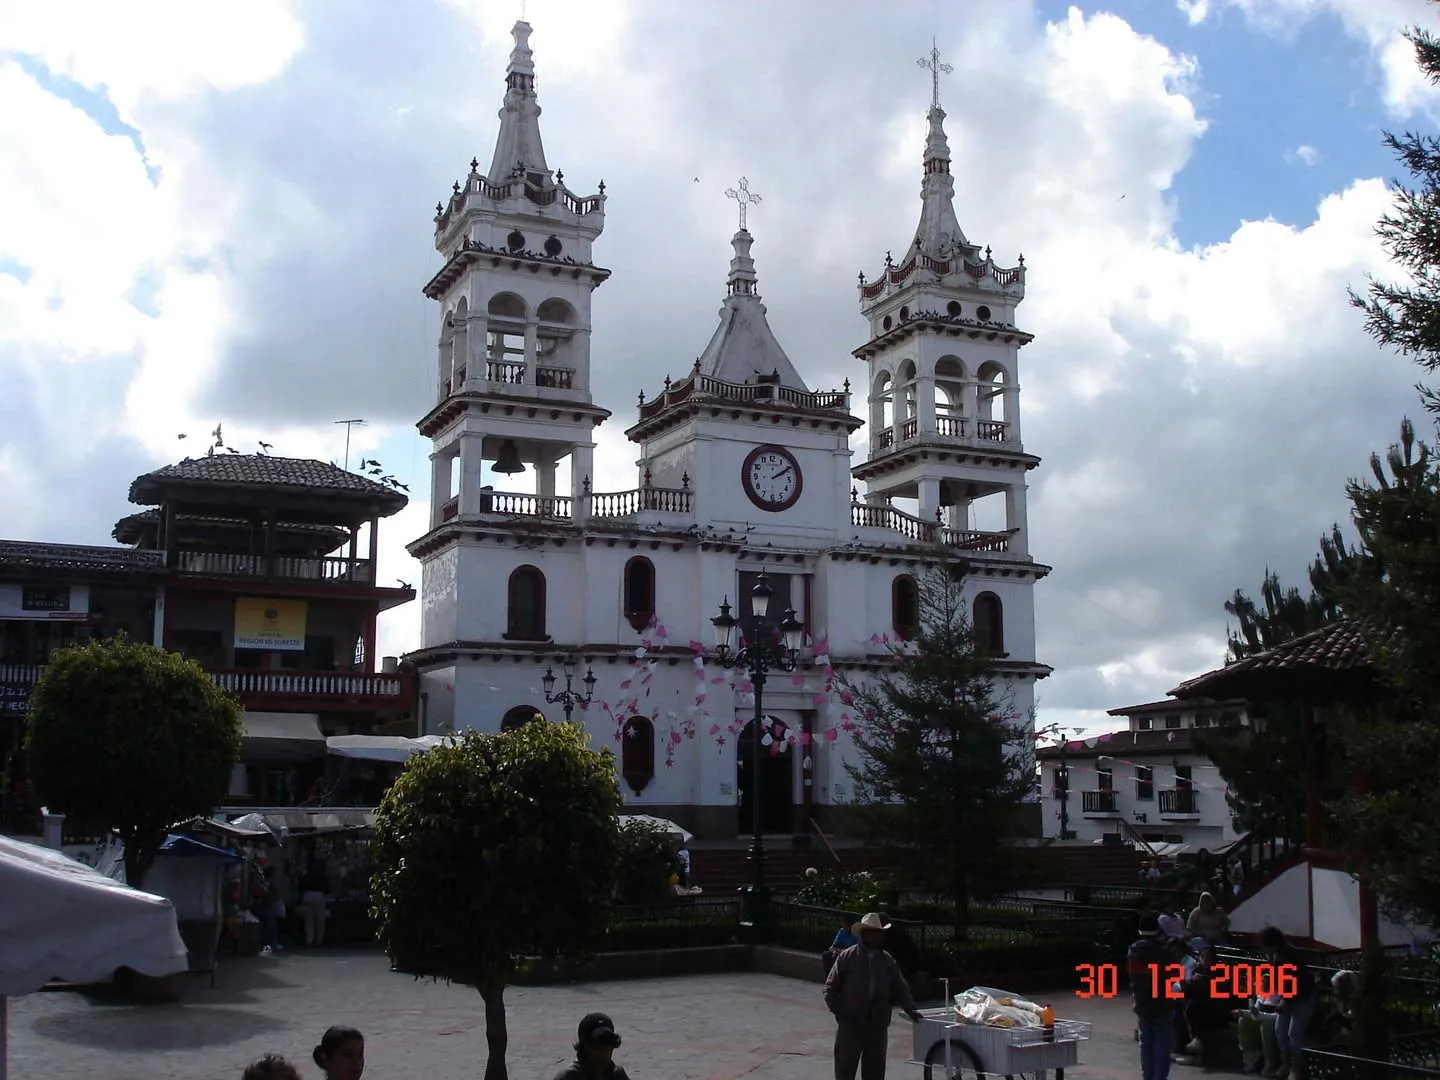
(349, 424)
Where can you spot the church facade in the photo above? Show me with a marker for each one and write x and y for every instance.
(743, 469)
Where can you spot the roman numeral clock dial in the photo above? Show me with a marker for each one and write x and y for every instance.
(771, 478)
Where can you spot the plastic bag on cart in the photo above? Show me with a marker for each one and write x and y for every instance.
(996, 1008)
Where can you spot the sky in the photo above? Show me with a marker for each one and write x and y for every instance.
(222, 213)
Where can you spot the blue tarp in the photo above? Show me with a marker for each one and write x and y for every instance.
(185, 845)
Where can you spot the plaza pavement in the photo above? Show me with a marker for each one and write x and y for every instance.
(761, 1027)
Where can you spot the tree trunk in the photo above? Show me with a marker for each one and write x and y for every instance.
(958, 883)
(139, 857)
(497, 1036)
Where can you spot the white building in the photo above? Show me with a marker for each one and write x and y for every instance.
(1147, 782)
(741, 468)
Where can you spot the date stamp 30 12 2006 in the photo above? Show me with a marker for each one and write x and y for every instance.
(1227, 982)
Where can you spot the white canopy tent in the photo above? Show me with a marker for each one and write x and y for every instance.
(675, 831)
(393, 748)
(62, 920)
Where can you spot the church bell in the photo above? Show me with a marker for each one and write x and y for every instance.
(509, 459)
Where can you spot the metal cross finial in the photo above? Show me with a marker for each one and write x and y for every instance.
(744, 196)
(935, 67)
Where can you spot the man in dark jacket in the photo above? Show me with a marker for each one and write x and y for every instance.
(595, 1051)
(1146, 964)
(863, 988)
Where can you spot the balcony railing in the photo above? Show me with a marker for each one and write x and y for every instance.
(707, 387)
(317, 688)
(1179, 801)
(625, 503)
(946, 427)
(330, 569)
(1098, 802)
(884, 516)
(505, 371)
(603, 504)
(338, 687)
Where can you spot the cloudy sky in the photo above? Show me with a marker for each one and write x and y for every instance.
(221, 212)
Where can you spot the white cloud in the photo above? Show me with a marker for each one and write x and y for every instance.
(1197, 410)
(1305, 154)
(1379, 24)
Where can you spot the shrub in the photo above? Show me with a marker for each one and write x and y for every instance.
(846, 890)
(644, 862)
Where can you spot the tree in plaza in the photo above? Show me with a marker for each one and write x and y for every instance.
(495, 848)
(944, 761)
(1384, 819)
(131, 737)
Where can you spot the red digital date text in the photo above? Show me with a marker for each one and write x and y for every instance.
(1227, 981)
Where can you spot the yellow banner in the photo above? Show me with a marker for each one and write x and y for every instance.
(277, 625)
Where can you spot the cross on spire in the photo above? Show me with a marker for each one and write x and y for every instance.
(742, 194)
(936, 68)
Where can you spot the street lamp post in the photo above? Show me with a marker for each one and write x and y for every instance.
(568, 698)
(763, 648)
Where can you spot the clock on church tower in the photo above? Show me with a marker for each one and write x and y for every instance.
(772, 478)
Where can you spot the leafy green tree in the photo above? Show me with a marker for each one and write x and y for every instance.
(944, 758)
(496, 848)
(644, 861)
(133, 738)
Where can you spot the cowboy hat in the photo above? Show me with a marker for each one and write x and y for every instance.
(872, 921)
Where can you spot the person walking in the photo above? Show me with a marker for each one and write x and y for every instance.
(314, 903)
(595, 1047)
(864, 986)
(1154, 1014)
(1296, 1010)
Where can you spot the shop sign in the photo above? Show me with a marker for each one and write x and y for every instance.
(14, 699)
(66, 602)
(272, 625)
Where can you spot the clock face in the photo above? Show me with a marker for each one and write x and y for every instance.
(771, 477)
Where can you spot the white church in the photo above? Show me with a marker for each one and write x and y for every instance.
(742, 469)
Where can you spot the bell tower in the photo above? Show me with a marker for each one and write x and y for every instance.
(513, 389)
(943, 359)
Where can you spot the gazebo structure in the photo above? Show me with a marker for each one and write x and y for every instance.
(1327, 668)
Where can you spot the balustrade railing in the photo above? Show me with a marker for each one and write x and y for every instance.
(541, 506)
(707, 386)
(341, 684)
(909, 429)
(335, 569)
(1097, 802)
(884, 516)
(617, 504)
(555, 377)
(1178, 801)
(996, 430)
(885, 439)
(450, 509)
(951, 426)
(510, 372)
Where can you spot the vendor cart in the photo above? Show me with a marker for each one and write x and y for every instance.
(949, 1047)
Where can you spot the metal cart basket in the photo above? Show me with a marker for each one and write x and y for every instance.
(949, 1049)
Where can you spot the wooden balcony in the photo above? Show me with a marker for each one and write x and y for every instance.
(1099, 802)
(329, 570)
(311, 691)
(1179, 802)
(884, 516)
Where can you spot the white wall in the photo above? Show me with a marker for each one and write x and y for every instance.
(1212, 828)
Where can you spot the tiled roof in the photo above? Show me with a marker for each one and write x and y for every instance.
(16, 555)
(1336, 648)
(133, 526)
(1169, 705)
(262, 470)
(1124, 743)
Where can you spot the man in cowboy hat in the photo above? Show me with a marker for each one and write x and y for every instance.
(862, 990)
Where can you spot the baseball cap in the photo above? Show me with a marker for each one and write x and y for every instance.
(597, 1028)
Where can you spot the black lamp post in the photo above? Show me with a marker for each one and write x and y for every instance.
(568, 697)
(763, 648)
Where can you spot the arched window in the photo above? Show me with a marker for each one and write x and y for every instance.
(989, 625)
(639, 592)
(905, 607)
(526, 620)
(637, 753)
(520, 714)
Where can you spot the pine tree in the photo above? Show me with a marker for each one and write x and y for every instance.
(944, 758)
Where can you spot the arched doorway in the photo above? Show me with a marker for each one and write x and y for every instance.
(777, 777)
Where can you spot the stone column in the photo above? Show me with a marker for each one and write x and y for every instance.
(582, 480)
(1012, 411)
(440, 492)
(545, 480)
(580, 357)
(472, 463)
(532, 348)
(477, 360)
(1015, 517)
(929, 498)
(925, 404)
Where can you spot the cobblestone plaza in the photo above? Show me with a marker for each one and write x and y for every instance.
(719, 1027)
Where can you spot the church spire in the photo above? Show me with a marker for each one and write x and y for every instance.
(939, 230)
(518, 146)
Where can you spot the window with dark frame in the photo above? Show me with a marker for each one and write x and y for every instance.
(520, 714)
(637, 753)
(639, 590)
(988, 619)
(526, 609)
(1144, 782)
(905, 607)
